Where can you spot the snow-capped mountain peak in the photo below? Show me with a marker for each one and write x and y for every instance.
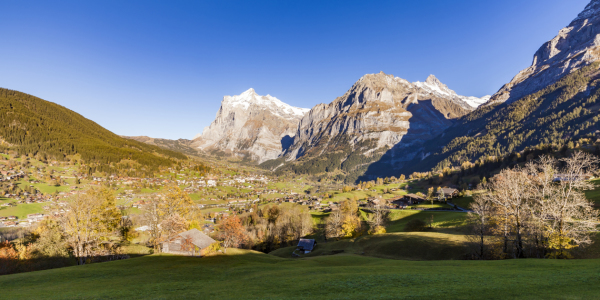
(251, 125)
(250, 97)
(435, 86)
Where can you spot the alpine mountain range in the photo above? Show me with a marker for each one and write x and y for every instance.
(385, 125)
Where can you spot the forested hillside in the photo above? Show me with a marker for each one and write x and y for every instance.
(181, 145)
(32, 126)
(561, 112)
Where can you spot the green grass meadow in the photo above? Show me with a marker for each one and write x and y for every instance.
(251, 275)
(22, 210)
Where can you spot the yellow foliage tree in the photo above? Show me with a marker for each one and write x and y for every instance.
(89, 219)
(174, 202)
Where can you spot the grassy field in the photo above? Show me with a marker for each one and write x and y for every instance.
(427, 204)
(44, 188)
(250, 275)
(447, 220)
(595, 194)
(22, 210)
(463, 202)
(402, 245)
(445, 241)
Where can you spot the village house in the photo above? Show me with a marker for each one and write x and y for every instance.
(372, 201)
(191, 243)
(413, 199)
(306, 245)
(448, 193)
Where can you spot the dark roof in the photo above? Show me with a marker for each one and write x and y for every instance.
(306, 244)
(414, 196)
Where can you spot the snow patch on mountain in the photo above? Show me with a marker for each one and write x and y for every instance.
(250, 125)
(250, 97)
(434, 86)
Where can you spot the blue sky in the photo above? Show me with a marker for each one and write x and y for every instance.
(161, 68)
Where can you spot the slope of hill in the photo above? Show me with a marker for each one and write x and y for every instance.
(575, 46)
(380, 112)
(553, 101)
(565, 110)
(262, 276)
(34, 126)
(181, 145)
(252, 126)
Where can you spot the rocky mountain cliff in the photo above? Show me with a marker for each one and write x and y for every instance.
(553, 102)
(575, 46)
(380, 112)
(251, 126)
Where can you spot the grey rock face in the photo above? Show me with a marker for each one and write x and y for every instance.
(382, 111)
(250, 125)
(575, 46)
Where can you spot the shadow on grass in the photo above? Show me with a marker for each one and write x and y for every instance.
(440, 219)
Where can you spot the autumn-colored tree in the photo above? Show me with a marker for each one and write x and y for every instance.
(378, 218)
(441, 195)
(539, 210)
(175, 201)
(345, 222)
(349, 207)
(49, 239)
(9, 258)
(89, 219)
(430, 195)
(333, 225)
(174, 204)
(172, 226)
(232, 233)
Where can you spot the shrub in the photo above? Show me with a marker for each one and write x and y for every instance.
(377, 230)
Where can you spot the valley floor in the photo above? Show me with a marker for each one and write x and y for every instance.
(251, 275)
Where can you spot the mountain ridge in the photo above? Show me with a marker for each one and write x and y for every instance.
(553, 101)
(574, 47)
(32, 126)
(251, 126)
(378, 113)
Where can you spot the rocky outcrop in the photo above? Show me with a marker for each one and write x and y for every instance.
(251, 126)
(550, 103)
(575, 46)
(380, 112)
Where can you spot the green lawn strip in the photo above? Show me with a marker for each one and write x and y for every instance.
(45, 188)
(22, 210)
(214, 209)
(250, 275)
(428, 204)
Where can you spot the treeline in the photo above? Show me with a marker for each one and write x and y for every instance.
(32, 126)
(565, 110)
(486, 167)
(536, 211)
(89, 228)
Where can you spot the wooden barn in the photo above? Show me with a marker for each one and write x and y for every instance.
(448, 193)
(191, 243)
